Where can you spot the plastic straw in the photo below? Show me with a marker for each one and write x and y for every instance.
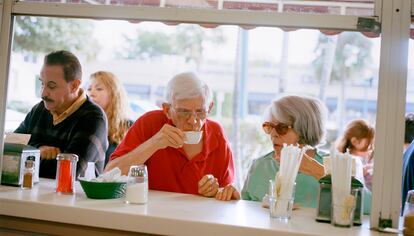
(341, 167)
(290, 159)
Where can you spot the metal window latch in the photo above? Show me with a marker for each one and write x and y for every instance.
(368, 24)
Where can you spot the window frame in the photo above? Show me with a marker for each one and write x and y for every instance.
(391, 92)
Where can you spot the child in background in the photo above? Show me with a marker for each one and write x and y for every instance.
(358, 138)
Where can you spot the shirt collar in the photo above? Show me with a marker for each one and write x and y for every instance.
(74, 107)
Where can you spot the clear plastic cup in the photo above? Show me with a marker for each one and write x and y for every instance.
(342, 213)
(409, 203)
(409, 214)
(280, 207)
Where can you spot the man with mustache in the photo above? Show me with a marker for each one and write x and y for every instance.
(66, 121)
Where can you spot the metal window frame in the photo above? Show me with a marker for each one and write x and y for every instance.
(378, 9)
(412, 8)
(390, 125)
(6, 28)
(188, 15)
(2, 117)
(1, 12)
(279, 3)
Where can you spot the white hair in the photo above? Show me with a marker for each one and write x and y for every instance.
(307, 116)
(187, 85)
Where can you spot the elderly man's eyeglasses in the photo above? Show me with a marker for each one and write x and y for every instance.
(280, 128)
(186, 114)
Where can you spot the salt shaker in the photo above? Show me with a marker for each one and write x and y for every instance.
(137, 185)
(66, 173)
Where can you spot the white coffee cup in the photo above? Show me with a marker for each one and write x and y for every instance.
(192, 137)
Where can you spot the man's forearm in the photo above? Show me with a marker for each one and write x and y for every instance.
(135, 157)
(318, 172)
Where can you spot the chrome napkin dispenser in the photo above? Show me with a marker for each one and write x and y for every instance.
(323, 211)
(14, 157)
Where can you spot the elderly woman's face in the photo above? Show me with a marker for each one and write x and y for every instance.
(279, 134)
(189, 114)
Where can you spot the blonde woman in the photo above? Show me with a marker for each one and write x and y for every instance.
(106, 90)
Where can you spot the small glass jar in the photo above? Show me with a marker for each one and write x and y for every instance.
(280, 207)
(28, 174)
(409, 203)
(137, 185)
(409, 214)
(66, 173)
(342, 213)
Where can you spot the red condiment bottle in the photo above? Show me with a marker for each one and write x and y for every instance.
(66, 173)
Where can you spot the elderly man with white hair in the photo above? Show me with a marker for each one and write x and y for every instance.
(158, 140)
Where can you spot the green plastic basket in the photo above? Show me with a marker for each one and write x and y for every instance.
(103, 190)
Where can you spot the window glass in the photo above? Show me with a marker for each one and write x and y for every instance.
(265, 62)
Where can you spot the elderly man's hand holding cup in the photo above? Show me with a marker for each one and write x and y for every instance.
(169, 136)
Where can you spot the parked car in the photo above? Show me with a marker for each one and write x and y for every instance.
(139, 107)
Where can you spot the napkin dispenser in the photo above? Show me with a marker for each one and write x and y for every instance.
(14, 157)
(323, 212)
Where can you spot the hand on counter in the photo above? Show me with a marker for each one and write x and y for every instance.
(227, 193)
(48, 152)
(208, 186)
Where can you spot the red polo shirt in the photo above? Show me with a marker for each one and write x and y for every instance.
(169, 169)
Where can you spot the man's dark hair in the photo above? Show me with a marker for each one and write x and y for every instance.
(71, 67)
(409, 128)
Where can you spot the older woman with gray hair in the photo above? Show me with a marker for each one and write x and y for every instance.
(184, 151)
(292, 120)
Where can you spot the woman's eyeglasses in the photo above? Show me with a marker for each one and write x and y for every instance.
(280, 128)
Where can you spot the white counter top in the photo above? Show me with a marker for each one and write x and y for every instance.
(166, 213)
